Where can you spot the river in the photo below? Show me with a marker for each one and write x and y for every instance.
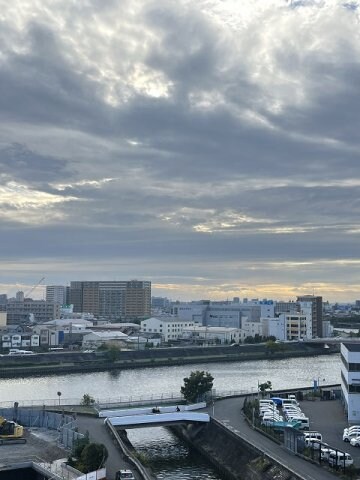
(168, 457)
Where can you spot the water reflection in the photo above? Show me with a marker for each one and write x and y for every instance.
(287, 373)
(169, 457)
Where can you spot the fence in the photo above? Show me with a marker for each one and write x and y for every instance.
(65, 425)
(123, 400)
(138, 400)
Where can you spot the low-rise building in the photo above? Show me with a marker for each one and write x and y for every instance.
(213, 335)
(96, 339)
(170, 328)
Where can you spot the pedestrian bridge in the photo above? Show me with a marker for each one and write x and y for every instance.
(147, 410)
(157, 419)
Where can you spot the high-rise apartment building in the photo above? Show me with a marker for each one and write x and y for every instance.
(56, 294)
(112, 300)
(316, 313)
(137, 299)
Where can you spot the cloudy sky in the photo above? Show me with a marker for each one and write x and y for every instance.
(210, 146)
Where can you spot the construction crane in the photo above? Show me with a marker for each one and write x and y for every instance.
(26, 294)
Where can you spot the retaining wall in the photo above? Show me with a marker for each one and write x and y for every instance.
(231, 455)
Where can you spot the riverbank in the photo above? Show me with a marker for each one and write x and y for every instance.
(79, 362)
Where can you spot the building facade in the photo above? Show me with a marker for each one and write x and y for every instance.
(316, 313)
(170, 328)
(113, 300)
(56, 294)
(40, 310)
(350, 380)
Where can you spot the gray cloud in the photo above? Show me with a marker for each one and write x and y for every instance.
(203, 143)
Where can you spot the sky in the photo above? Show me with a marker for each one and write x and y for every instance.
(210, 146)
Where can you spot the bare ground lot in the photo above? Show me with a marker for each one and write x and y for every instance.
(41, 446)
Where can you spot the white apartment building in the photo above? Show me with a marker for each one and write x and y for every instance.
(170, 328)
(220, 335)
(274, 327)
(250, 329)
(288, 326)
(350, 380)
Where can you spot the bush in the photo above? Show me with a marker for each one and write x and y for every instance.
(93, 457)
(79, 446)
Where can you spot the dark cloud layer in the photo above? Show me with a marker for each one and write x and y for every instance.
(209, 146)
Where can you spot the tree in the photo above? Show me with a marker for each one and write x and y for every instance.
(263, 387)
(196, 385)
(79, 445)
(93, 457)
(87, 400)
(113, 353)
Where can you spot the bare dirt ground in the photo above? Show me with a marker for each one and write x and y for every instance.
(41, 446)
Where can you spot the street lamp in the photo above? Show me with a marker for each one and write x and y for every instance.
(59, 395)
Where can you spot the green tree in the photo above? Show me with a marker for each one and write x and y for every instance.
(113, 353)
(87, 400)
(196, 385)
(93, 457)
(263, 387)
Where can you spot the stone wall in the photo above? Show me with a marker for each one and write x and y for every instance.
(233, 457)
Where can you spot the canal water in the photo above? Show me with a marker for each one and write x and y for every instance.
(168, 457)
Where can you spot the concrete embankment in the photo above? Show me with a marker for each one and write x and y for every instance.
(75, 362)
(233, 457)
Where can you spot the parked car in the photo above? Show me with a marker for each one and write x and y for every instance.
(340, 459)
(348, 436)
(314, 444)
(124, 475)
(353, 427)
(355, 441)
(325, 452)
(313, 436)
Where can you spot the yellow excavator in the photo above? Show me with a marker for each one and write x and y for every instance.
(11, 432)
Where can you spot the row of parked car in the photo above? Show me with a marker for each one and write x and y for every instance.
(291, 413)
(352, 435)
(314, 441)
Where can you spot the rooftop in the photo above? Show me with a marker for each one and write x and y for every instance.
(352, 347)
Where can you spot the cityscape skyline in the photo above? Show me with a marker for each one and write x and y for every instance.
(209, 147)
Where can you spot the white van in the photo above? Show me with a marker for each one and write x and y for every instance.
(266, 402)
(290, 401)
(340, 459)
(304, 422)
(313, 443)
(313, 435)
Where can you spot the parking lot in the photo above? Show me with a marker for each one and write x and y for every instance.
(328, 418)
